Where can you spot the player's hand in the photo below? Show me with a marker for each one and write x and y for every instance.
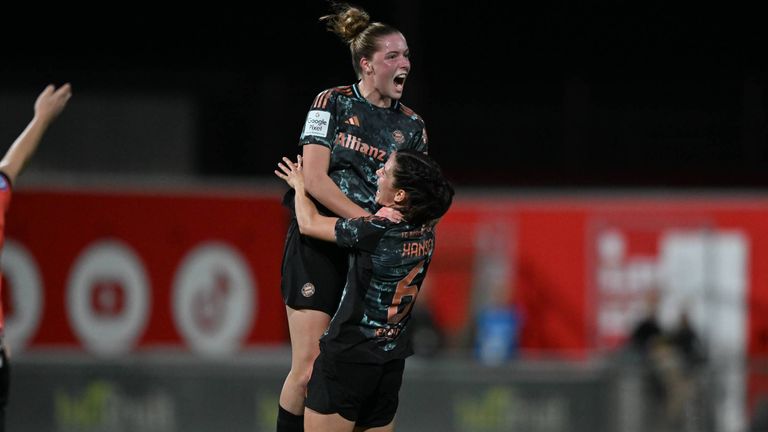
(291, 172)
(390, 213)
(51, 101)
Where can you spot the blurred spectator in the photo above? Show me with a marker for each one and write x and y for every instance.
(497, 323)
(687, 343)
(428, 339)
(670, 361)
(647, 331)
(681, 365)
(644, 341)
(498, 329)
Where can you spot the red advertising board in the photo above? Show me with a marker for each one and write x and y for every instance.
(572, 266)
(117, 271)
(120, 271)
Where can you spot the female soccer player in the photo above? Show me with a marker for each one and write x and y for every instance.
(48, 106)
(349, 133)
(356, 378)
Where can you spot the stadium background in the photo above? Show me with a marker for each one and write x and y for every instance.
(600, 154)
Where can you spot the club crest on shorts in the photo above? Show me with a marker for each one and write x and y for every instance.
(308, 290)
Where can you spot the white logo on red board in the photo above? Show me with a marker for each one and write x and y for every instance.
(22, 295)
(108, 298)
(213, 299)
(684, 265)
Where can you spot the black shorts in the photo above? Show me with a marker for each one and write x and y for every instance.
(313, 273)
(364, 393)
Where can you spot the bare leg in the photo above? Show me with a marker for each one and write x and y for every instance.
(305, 326)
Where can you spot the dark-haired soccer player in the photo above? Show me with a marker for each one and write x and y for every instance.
(357, 376)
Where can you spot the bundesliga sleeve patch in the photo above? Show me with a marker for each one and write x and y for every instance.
(3, 183)
(317, 124)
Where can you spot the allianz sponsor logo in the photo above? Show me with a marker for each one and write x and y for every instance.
(102, 406)
(354, 143)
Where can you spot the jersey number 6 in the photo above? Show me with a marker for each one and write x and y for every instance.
(405, 296)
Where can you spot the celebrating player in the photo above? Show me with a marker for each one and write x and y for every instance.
(48, 106)
(357, 376)
(349, 133)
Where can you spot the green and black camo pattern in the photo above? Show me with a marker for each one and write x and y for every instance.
(361, 137)
(388, 264)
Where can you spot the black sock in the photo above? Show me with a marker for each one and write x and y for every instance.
(287, 422)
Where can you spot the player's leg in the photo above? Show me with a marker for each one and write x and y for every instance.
(317, 422)
(305, 328)
(336, 393)
(377, 414)
(313, 276)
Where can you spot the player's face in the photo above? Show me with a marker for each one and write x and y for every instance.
(391, 65)
(385, 194)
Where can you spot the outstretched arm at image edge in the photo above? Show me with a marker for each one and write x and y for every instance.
(48, 106)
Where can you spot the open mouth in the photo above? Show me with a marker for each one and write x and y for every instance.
(400, 80)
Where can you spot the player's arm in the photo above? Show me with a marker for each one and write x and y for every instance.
(48, 106)
(315, 167)
(311, 222)
(315, 163)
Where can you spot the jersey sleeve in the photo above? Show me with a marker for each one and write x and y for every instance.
(5, 193)
(361, 233)
(320, 125)
(423, 144)
(419, 141)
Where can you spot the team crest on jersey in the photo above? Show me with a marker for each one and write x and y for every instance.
(398, 136)
(308, 290)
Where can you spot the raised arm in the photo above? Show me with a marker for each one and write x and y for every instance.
(48, 106)
(317, 183)
(311, 223)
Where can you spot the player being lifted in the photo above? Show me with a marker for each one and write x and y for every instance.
(349, 133)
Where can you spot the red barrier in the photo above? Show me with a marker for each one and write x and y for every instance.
(577, 268)
(116, 272)
(580, 269)
(131, 270)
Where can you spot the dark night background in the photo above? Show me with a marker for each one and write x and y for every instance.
(629, 94)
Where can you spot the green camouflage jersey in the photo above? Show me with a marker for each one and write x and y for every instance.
(361, 137)
(388, 262)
